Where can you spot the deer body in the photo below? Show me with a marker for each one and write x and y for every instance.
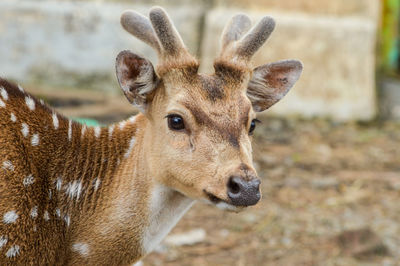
(77, 195)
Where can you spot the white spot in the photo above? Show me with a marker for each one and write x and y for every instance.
(96, 184)
(12, 251)
(58, 212)
(59, 183)
(139, 263)
(110, 131)
(13, 118)
(41, 101)
(30, 103)
(8, 165)
(28, 180)
(20, 88)
(50, 193)
(34, 212)
(81, 248)
(69, 130)
(74, 189)
(67, 220)
(83, 130)
(10, 217)
(79, 190)
(46, 215)
(132, 119)
(25, 130)
(3, 241)
(122, 125)
(55, 121)
(131, 144)
(2, 104)
(4, 94)
(35, 140)
(97, 132)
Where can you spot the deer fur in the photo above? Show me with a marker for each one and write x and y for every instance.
(77, 195)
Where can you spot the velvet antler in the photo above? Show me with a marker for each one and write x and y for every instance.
(239, 43)
(160, 33)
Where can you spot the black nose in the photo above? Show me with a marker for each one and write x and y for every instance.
(242, 192)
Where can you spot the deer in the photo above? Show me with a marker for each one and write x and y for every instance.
(71, 194)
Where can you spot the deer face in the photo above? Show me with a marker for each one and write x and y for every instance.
(200, 126)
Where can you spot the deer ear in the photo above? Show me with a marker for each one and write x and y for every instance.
(136, 78)
(271, 82)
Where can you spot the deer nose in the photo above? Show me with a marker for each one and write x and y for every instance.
(242, 192)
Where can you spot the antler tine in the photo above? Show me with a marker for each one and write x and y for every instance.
(168, 36)
(139, 26)
(234, 30)
(254, 39)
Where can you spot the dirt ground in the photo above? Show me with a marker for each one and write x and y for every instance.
(330, 195)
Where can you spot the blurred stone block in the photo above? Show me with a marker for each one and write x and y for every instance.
(338, 54)
(75, 43)
(364, 8)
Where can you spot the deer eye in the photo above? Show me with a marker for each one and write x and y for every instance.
(253, 125)
(175, 122)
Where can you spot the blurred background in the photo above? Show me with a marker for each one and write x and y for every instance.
(328, 153)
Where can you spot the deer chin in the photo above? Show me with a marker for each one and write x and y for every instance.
(222, 204)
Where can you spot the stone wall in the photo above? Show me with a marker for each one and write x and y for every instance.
(74, 44)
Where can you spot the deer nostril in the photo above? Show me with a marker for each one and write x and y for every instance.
(233, 186)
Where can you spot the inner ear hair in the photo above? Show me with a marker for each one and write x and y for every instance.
(136, 77)
(271, 82)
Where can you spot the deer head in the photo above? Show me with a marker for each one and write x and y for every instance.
(199, 127)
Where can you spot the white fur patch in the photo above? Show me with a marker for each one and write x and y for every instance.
(96, 183)
(225, 206)
(67, 220)
(4, 93)
(3, 241)
(2, 104)
(30, 103)
(59, 183)
(10, 217)
(13, 117)
(13, 251)
(34, 212)
(25, 130)
(81, 248)
(69, 130)
(83, 130)
(110, 131)
(35, 139)
(41, 101)
(122, 125)
(74, 189)
(166, 209)
(132, 119)
(46, 215)
(97, 131)
(130, 148)
(20, 88)
(29, 180)
(7, 165)
(58, 212)
(55, 121)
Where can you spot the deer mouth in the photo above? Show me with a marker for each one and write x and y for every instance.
(223, 204)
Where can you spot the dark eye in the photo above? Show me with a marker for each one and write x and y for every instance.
(253, 125)
(175, 122)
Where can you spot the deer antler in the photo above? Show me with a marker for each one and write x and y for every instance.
(160, 33)
(239, 44)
